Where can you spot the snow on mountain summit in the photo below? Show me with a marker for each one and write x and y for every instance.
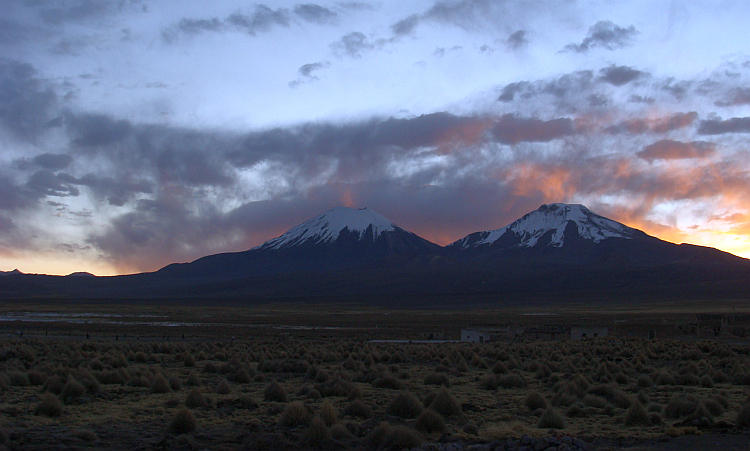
(555, 218)
(327, 227)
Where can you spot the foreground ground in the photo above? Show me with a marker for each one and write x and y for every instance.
(162, 376)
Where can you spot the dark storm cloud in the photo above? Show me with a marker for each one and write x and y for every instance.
(117, 192)
(619, 75)
(718, 126)
(92, 130)
(352, 44)
(26, 103)
(46, 183)
(13, 32)
(738, 96)
(604, 34)
(511, 129)
(675, 150)
(316, 13)
(405, 26)
(14, 197)
(517, 40)
(654, 125)
(54, 162)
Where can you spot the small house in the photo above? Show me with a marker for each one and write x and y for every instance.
(580, 332)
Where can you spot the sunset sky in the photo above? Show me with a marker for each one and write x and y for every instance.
(134, 133)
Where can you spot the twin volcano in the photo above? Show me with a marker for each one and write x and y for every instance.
(559, 251)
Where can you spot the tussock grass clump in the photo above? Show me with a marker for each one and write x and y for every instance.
(644, 381)
(404, 405)
(275, 392)
(499, 367)
(328, 413)
(513, 380)
(488, 382)
(550, 419)
(445, 403)
(196, 399)
(681, 406)
(429, 422)
(742, 420)
(535, 400)
(53, 384)
(295, 414)
(183, 422)
(388, 382)
(437, 379)
(18, 378)
(50, 406)
(72, 391)
(317, 434)
(223, 388)
(193, 379)
(394, 438)
(359, 409)
(160, 384)
(637, 415)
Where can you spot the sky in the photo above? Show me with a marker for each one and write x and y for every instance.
(138, 133)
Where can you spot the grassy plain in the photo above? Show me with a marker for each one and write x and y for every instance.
(227, 376)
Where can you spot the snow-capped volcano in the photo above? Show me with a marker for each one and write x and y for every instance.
(329, 226)
(551, 225)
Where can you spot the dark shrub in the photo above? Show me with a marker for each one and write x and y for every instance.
(223, 388)
(317, 434)
(196, 399)
(160, 384)
(295, 414)
(550, 419)
(535, 400)
(429, 422)
(681, 407)
(637, 415)
(401, 437)
(743, 417)
(388, 382)
(488, 382)
(404, 405)
(275, 392)
(183, 422)
(513, 380)
(328, 413)
(72, 391)
(445, 403)
(50, 406)
(359, 409)
(437, 379)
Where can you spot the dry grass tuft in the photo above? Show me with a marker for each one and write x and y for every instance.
(275, 392)
(404, 405)
(50, 406)
(183, 422)
(550, 419)
(430, 422)
(445, 403)
(295, 414)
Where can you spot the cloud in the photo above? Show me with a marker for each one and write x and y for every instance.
(511, 129)
(717, 126)
(54, 162)
(654, 124)
(405, 26)
(316, 14)
(60, 12)
(737, 96)
(197, 26)
(604, 34)
(675, 150)
(262, 19)
(27, 104)
(352, 44)
(46, 183)
(93, 130)
(517, 40)
(619, 75)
